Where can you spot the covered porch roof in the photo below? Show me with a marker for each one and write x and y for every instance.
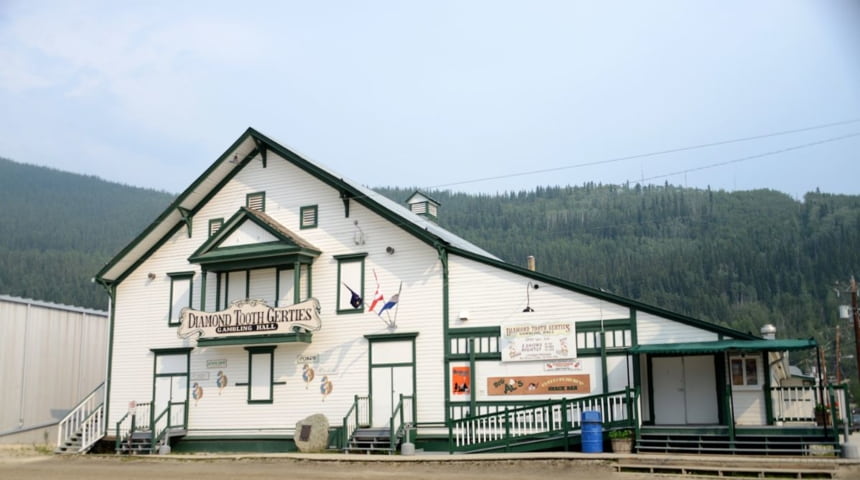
(731, 345)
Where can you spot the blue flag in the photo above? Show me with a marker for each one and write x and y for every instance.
(354, 299)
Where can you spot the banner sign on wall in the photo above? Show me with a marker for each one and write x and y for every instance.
(539, 385)
(250, 317)
(551, 340)
(460, 380)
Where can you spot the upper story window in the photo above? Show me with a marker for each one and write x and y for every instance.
(350, 284)
(256, 201)
(181, 285)
(309, 217)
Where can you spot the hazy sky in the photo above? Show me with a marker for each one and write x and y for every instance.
(437, 93)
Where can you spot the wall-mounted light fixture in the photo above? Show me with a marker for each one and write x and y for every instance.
(463, 315)
(150, 276)
(529, 286)
(389, 250)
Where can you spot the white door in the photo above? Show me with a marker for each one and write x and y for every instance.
(668, 380)
(685, 390)
(388, 384)
(701, 390)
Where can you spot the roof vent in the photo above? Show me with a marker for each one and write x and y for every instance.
(423, 205)
(768, 332)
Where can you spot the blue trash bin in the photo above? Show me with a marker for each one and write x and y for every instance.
(592, 432)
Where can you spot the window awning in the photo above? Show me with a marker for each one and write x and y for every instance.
(691, 348)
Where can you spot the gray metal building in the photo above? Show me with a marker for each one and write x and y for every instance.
(51, 356)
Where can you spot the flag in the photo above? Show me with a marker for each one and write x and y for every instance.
(390, 303)
(354, 299)
(378, 299)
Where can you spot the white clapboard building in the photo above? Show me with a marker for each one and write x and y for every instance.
(274, 289)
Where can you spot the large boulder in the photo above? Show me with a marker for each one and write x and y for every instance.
(312, 434)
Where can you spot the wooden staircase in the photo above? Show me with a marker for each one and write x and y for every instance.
(136, 443)
(801, 442)
(370, 441)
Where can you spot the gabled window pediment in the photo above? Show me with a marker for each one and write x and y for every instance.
(252, 239)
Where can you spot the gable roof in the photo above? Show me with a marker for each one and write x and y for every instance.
(248, 146)
(252, 144)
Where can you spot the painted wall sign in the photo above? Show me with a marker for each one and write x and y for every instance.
(250, 317)
(551, 340)
(217, 363)
(563, 366)
(199, 376)
(301, 359)
(539, 385)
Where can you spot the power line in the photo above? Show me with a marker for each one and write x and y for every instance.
(660, 152)
(751, 157)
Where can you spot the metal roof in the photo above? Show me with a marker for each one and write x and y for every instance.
(733, 345)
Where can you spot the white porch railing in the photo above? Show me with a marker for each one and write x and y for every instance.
(86, 419)
(798, 404)
(554, 417)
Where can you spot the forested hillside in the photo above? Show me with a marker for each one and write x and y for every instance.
(740, 259)
(58, 229)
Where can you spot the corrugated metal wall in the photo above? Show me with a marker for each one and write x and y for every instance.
(51, 357)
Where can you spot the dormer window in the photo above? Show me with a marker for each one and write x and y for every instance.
(256, 201)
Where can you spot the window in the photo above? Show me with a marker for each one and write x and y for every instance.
(180, 295)
(256, 201)
(350, 283)
(215, 225)
(309, 217)
(744, 371)
(261, 361)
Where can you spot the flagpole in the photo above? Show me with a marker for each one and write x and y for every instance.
(396, 307)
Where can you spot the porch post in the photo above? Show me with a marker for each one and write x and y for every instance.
(730, 401)
(768, 404)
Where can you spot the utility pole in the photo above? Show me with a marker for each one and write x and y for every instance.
(838, 356)
(854, 317)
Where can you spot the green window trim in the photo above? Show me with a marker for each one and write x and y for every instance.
(341, 282)
(215, 224)
(261, 351)
(179, 277)
(308, 217)
(256, 199)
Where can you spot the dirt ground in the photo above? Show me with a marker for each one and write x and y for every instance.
(29, 463)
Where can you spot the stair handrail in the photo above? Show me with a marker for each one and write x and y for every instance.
(403, 424)
(352, 418)
(158, 432)
(76, 418)
(133, 419)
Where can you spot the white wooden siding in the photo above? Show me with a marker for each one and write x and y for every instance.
(249, 233)
(652, 329)
(493, 296)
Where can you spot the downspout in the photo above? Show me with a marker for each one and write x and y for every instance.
(443, 258)
(110, 288)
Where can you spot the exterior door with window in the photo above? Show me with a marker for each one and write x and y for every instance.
(171, 387)
(392, 374)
